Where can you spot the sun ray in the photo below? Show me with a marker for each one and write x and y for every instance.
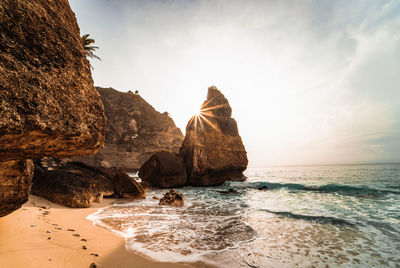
(209, 123)
(206, 103)
(214, 107)
(190, 121)
(208, 114)
(195, 122)
(201, 122)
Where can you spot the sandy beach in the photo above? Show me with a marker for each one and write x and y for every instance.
(44, 234)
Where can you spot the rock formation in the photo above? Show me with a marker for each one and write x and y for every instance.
(127, 187)
(15, 182)
(48, 105)
(164, 169)
(172, 198)
(212, 149)
(135, 130)
(70, 184)
(76, 185)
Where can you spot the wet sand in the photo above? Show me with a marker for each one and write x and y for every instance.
(44, 234)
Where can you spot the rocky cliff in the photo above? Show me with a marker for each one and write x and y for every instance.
(135, 130)
(48, 104)
(213, 150)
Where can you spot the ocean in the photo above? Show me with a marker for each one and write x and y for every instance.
(316, 216)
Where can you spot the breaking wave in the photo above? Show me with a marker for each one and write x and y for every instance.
(328, 188)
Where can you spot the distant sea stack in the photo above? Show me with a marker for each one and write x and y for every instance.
(48, 104)
(212, 150)
(135, 131)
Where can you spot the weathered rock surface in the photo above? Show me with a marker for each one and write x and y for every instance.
(135, 130)
(70, 184)
(15, 182)
(127, 187)
(73, 184)
(213, 150)
(164, 169)
(172, 198)
(48, 104)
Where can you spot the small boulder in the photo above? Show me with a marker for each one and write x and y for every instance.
(164, 169)
(127, 187)
(263, 188)
(172, 198)
(230, 191)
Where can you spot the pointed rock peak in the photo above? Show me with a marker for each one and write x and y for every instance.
(216, 104)
(212, 150)
(213, 92)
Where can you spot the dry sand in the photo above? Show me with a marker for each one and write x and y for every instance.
(43, 234)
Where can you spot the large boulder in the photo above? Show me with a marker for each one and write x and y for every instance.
(164, 169)
(135, 131)
(48, 104)
(15, 182)
(212, 149)
(70, 184)
(127, 187)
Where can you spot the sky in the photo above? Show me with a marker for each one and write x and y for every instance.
(309, 82)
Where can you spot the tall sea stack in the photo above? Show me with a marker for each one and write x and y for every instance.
(48, 104)
(212, 150)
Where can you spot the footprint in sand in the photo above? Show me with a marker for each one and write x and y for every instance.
(84, 247)
(76, 235)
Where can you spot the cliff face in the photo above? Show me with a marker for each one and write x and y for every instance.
(213, 151)
(135, 130)
(48, 105)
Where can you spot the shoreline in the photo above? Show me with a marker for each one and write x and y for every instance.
(44, 234)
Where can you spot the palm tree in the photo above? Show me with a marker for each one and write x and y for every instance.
(89, 48)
